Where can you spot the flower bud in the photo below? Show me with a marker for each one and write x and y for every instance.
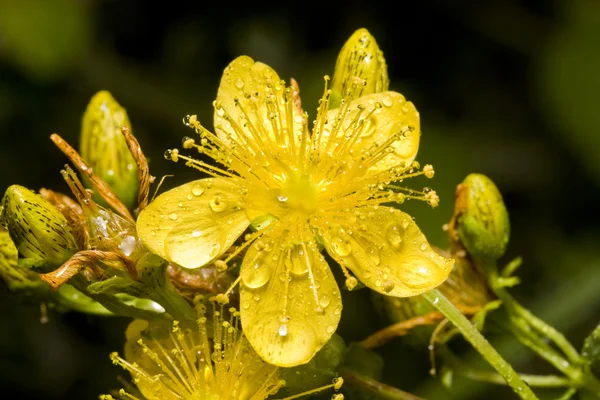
(359, 60)
(21, 281)
(104, 148)
(480, 218)
(38, 230)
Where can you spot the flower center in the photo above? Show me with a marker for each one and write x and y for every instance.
(299, 193)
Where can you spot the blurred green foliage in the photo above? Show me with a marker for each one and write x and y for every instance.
(504, 88)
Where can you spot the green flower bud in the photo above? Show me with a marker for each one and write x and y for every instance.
(359, 58)
(19, 280)
(38, 230)
(104, 148)
(480, 218)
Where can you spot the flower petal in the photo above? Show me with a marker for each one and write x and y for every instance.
(254, 108)
(290, 302)
(194, 223)
(386, 251)
(384, 114)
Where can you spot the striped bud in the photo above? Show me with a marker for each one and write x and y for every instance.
(103, 147)
(359, 60)
(38, 230)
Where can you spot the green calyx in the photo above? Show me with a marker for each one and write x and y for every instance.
(480, 218)
(39, 231)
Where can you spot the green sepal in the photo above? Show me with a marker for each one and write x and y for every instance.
(482, 220)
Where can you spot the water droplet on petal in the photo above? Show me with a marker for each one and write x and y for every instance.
(239, 83)
(330, 329)
(388, 286)
(257, 273)
(387, 101)
(197, 191)
(173, 216)
(341, 246)
(419, 272)
(283, 330)
(217, 204)
(395, 235)
(214, 250)
(324, 301)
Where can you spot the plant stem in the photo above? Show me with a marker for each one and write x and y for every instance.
(536, 323)
(471, 334)
(461, 368)
(381, 390)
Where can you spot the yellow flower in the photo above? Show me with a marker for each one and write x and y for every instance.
(186, 364)
(299, 188)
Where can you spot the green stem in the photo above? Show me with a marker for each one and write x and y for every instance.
(471, 334)
(461, 368)
(381, 390)
(536, 323)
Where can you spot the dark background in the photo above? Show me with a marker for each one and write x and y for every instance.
(504, 87)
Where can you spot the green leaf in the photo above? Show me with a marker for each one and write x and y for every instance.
(591, 348)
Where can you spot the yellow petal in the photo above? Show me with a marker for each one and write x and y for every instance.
(290, 302)
(254, 108)
(194, 223)
(387, 251)
(385, 115)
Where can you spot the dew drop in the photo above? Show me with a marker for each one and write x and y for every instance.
(330, 329)
(217, 204)
(173, 216)
(296, 262)
(256, 273)
(373, 255)
(423, 246)
(341, 246)
(283, 330)
(197, 191)
(214, 250)
(419, 272)
(196, 233)
(395, 235)
(387, 101)
(388, 286)
(324, 301)
(246, 305)
(239, 84)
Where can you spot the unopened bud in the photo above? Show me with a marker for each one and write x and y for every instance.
(104, 149)
(480, 218)
(38, 230)
(359, 58)
(21, 281)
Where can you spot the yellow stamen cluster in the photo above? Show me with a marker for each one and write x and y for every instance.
(283, 168)
(189, 365)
